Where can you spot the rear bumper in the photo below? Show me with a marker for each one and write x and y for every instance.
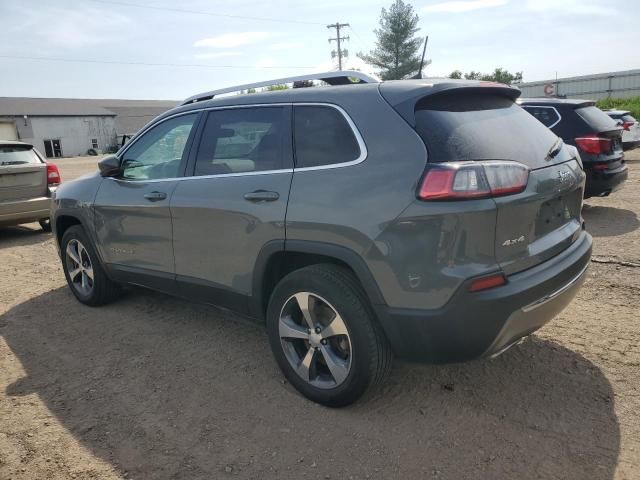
(473, 325)
(23, 211)
(603, 183)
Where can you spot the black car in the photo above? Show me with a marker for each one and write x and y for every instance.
(597, 137)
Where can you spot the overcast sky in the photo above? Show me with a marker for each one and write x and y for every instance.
(539, 37)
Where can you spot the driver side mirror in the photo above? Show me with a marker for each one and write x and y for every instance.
(110, 166)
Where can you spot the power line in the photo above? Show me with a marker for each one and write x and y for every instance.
(200, 12)
(115, 62)
(359, 40)
(340, 53)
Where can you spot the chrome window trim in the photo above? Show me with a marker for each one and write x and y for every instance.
(354, 129)
(197, 177)
(545, 106)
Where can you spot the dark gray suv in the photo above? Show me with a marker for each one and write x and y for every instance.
(433, 220)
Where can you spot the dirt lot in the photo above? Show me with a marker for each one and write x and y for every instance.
(156, 388)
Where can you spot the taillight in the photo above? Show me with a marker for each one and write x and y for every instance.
(463, 181)
(627, 125)
(53, 174)
(594, 145)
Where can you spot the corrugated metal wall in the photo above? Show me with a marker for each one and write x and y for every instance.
(74, 133)
(614, 84)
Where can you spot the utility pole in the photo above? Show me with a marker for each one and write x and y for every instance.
(340, 53)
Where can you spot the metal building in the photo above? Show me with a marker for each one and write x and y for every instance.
(602, 85)
(61, 127)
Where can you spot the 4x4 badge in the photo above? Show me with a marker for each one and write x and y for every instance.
(515, 241)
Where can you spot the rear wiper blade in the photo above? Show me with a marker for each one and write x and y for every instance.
(555, 149)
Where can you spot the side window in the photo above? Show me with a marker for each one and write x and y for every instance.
(547, 115)
(243, 140)
(322, 136)
(158, 153)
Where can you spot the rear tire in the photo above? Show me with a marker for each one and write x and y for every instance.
(84, 272)
(337, 351)
(45, 224)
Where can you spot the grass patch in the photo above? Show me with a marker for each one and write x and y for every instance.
(632, 104)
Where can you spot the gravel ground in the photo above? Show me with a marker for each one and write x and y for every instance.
(152, 387)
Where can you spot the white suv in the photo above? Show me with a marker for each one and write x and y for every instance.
(631, 132)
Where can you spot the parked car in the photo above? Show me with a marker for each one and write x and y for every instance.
(597, 137)
(630, 128)
(432, 220)
(27, 182)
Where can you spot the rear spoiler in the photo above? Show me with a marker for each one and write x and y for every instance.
(403, 95)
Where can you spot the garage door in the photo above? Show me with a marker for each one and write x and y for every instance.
(8, 131)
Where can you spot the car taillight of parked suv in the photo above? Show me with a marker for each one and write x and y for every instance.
(432, 220)
(597, 137)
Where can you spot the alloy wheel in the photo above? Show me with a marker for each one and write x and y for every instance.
(79, 267)
(315, 340)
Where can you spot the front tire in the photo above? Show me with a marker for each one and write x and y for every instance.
(324, 336)
(84, 272)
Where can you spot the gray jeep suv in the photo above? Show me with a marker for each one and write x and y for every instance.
(433, 220)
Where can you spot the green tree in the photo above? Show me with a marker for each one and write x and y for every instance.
(397, 49)
(272, 88)
(473, 75)
(499, 75)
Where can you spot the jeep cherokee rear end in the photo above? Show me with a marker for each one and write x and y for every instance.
(493, 246)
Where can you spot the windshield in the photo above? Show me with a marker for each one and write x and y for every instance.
(17, 155)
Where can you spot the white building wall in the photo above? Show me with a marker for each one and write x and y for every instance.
(74, 133)
(589, 87)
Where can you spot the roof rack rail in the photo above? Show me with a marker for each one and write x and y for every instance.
(342, 77)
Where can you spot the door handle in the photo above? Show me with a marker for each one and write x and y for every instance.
(262, 196)
(155, 196)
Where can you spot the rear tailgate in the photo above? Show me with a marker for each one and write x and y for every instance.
(543, 220)
(485, 125)
(22, 174)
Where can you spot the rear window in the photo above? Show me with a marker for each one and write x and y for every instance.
(478, 126)
(628, 118)
(596, 119)
(17, 155)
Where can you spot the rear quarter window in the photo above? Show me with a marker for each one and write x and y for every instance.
(596, 119)
(322, 136)
(480, 126)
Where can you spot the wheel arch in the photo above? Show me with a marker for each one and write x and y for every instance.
(277, 259)
(62, 222)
